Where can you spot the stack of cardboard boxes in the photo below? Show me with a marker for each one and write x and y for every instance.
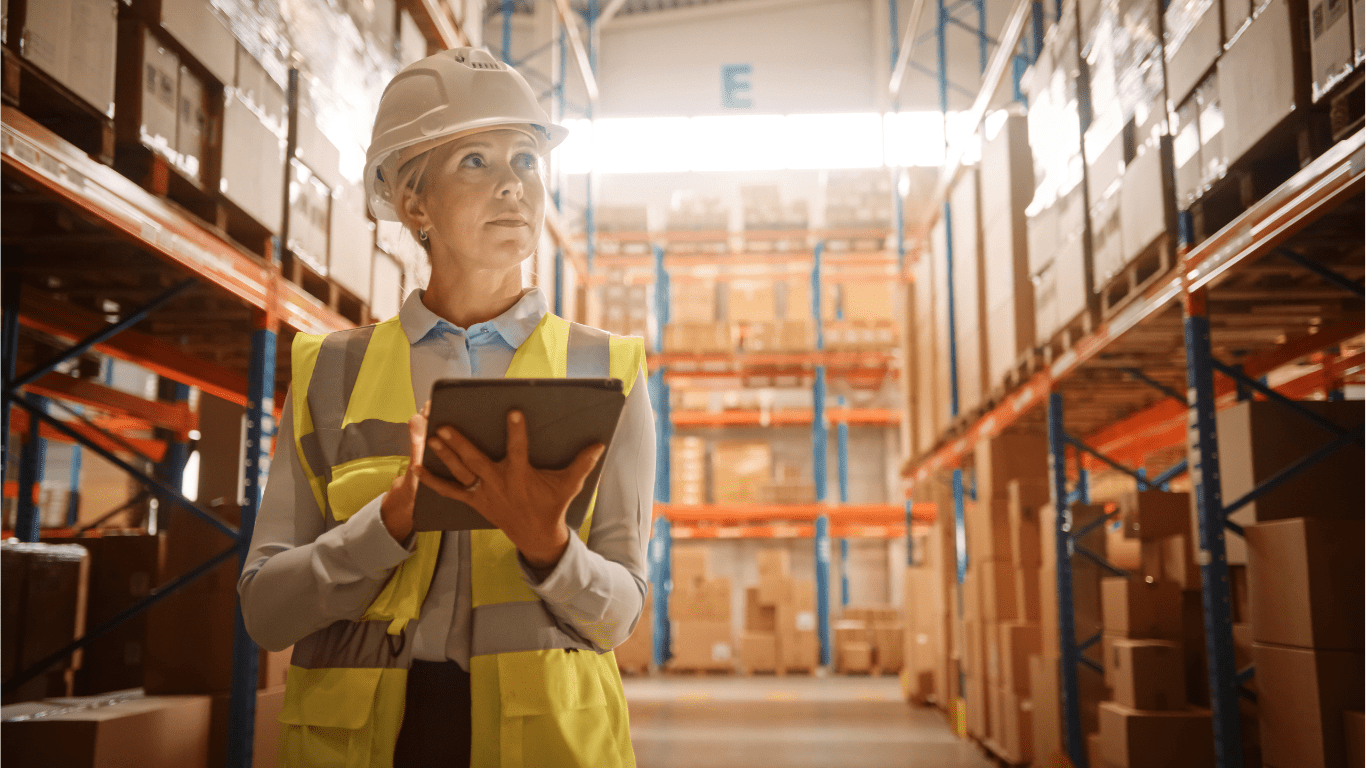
(869, 318)
(699, 607)
(624, 308)
(688, 470)
(780, 619)
(741, 469)
(858, 199)
(693, 325)
(870, 640)
(1000, 591)
(925, 610)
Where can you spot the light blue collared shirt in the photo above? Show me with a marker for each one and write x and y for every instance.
(300, 578)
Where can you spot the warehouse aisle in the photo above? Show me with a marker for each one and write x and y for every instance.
(791, 722)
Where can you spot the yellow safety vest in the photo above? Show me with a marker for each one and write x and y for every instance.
(539, 696)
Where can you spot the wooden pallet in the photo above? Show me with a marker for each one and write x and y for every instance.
(693, 671)
(1026, 365)
(994, 752)
(1066, 337)
(56, 108)
(1345, 107)
(1153, 263)
(325, 289)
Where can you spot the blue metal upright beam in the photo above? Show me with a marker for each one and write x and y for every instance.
(73, 498)
(819, 449)
(823, 587)
(172, 465)
(506, 9)
(942, 52)
(1211, 518)
(661, 555)
(1074, 741)
(32, 462)
(260, 432)
(842, 450)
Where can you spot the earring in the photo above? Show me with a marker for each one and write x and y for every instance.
(422, 235)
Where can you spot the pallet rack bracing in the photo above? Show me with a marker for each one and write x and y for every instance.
(1147, 407)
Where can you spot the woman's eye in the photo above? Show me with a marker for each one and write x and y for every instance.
(527, 160)
(473, 161)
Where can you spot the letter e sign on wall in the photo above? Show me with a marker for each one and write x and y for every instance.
(735, 86)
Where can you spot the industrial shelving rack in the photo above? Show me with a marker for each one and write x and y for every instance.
(193, 307)
(1144, 379)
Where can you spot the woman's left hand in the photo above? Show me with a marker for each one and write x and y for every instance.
(526, 503)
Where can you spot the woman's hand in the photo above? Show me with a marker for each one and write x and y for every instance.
(397, 508)
(526, 503)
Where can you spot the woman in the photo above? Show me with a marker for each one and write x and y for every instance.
(419, 649)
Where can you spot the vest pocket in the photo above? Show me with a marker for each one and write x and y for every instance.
(544, 682)
(360, 481)
(341, 717)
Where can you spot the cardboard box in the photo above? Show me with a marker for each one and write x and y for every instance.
(739, 470)
(351, 245)
(758, 651)
(265, 734)
(752, 301)
(1015, 455)
(1170, 559)
(1122, 552)
(889, 648)
(1263, 77)
(1027, 607)
(998, 590)
(703, 645)
(1022, 519)
(99, 731)
(708, 602)
(310, 211)
(1146, 674)
(855, 656)
(74, 42)
(1301, 693)
(969, 317)
(1047, 722)
(386, 291)
(1305, 579)
(689, 567)
(1330, 44)
(195, 25)
(1192, 41)
(123, 570)
(1354, 725)
(693, 301)
(976, 700)
(45, 609)
(1140, 610)
(1257, 439)
(638, 652)
(867, 301)
(1015, 736)
(253, 165)
(988, 529)
(1153, 515)
(1019, 641)
(774, 561)
(1132, 738)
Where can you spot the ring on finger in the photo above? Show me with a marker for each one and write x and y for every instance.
(474, 486)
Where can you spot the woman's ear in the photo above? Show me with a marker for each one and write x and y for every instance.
(413, 211)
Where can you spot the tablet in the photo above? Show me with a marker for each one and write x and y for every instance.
(563, 416)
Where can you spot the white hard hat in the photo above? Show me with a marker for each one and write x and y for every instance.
(455, 91)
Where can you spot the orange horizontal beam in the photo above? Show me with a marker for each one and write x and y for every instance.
(1115, 437)
(804, 531)
(773, 359)
(874, 514)
(173, 416)
(785, 417)
(64, 321)
(152, 449)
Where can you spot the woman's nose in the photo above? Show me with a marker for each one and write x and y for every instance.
(510, 184)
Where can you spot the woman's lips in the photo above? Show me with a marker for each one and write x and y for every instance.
(508, 223)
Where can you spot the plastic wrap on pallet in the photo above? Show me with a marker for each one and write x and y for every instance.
(73, 41)
(1192, 41)
(346, 59)
(1054, 113)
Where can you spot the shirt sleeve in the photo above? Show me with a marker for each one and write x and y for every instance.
(598, 588)
(299, 577)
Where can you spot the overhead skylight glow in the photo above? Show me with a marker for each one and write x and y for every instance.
(758, 142)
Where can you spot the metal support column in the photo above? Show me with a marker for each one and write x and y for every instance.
(32, 462)
(260, 434)
(73, 498)
(1074, 741)
(1211, 518)
(842, 447)
(506, 9)
(819, 449)
(9, 351)
(661, 578)
(960, 551)
(172, 465)
(590, 228)
(942, 20)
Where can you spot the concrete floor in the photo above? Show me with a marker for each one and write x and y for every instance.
(789, 722)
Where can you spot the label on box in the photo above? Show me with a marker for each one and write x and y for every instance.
(806, 621)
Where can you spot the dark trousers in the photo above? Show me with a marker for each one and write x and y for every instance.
(436, 717)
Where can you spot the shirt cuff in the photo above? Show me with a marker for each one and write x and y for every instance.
(368, 542)
(566, 579)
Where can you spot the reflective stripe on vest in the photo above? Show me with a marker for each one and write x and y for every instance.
(353, 397)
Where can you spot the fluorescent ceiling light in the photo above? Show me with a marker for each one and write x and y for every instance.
(757, 142)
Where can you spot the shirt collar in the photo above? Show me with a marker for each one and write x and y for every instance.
(515, 325)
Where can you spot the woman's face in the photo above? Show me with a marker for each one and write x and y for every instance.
(484, 201)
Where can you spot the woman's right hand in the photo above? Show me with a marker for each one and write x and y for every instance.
(397, 508)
